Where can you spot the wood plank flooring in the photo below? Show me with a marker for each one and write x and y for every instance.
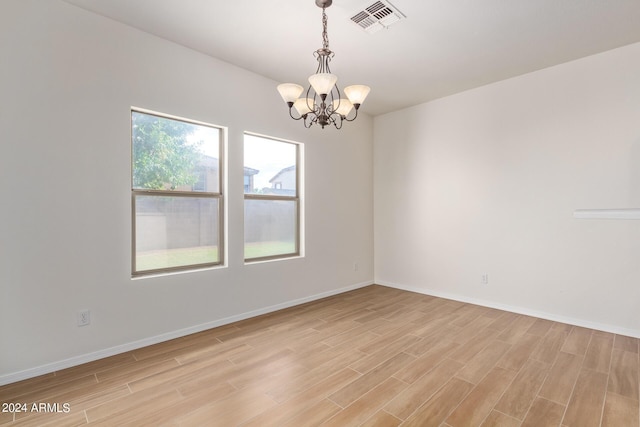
(375, 356)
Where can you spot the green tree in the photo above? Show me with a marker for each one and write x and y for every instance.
(163, 158)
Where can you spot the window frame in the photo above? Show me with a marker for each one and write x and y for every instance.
(297, 199)
(219, 196)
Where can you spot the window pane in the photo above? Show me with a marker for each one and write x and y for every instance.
(270, 228)
(172, 154)
(269, 166)
(175, 232)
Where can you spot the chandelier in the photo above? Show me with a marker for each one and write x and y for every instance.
(323, 103)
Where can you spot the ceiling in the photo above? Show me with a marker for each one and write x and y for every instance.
(441, 48)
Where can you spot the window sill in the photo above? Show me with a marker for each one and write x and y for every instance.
(173, 273)
(263, 261)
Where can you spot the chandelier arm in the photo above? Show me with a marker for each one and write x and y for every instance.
(312, 106)
(307, 125)
(294, 117)
(336, 107)
(354, 117)
(328, 106)
(335, 121)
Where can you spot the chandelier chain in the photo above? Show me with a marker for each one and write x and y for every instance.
(325, 36)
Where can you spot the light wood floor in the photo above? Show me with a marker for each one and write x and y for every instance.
(372, 357)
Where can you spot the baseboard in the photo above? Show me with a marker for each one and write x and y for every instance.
(90, 357)
(516, 309)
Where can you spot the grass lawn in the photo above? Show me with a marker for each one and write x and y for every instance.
(153, 260)
(262, 249)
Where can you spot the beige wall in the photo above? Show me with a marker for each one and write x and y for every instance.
(486, 181)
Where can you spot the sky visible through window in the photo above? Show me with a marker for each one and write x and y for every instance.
(268, 156)
(209, 136)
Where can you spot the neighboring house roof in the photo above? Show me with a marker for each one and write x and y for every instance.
(288, 169)
(250, 171)
(209, 162)
(212, 162)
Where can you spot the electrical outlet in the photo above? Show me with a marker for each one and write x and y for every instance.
(355, 266)
(485, 279)
(84, 317)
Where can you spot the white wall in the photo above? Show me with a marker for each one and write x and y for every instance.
(67, 82)
(486, 181)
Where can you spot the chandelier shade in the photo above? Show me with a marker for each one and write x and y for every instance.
(322, 83)
(323, 103)
(357, 93)
(303, 105)
(343, 107)
(290, 91)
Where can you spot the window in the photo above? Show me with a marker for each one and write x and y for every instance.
(271, 199)
(176, 193)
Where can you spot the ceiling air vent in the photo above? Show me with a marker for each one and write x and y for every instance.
(379, 15)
